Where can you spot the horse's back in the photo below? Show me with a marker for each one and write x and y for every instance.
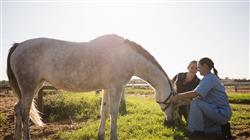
(105, 43)
(71, 65)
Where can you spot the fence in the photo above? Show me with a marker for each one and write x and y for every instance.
(235, 86)
(238, 86)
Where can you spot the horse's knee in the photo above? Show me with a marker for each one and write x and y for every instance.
(20, 110)
(18, 116)
(17, 109)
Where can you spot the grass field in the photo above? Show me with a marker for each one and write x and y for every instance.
(144, 119)
(239, 98)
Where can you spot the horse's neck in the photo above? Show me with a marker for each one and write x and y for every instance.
(155, 77)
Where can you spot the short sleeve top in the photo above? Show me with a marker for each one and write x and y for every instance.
(212, 91)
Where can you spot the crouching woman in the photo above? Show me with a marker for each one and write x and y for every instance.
(209, 110)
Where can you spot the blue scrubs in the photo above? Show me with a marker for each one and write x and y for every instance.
(211, 108)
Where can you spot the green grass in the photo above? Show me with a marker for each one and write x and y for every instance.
(241, 115)
(2, 118)
(236, 97)
(144, 119)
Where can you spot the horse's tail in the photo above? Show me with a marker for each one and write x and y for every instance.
(11, 76)
(34, 113)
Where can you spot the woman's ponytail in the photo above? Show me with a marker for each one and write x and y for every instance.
(215, 72)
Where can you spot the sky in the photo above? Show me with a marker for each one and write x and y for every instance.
(174, 32)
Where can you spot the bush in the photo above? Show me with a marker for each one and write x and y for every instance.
(71, 105)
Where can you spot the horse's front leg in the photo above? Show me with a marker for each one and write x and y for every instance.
(114, 95)
(104, 114)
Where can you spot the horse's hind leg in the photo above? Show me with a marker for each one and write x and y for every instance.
(26, 104)
(18, 122)
(104, 114)
(28, 93)
(22, 109)
(115, 95)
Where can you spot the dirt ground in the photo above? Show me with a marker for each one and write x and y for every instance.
(7, 102)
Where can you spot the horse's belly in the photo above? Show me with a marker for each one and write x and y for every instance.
(78, 89)
(76, 85)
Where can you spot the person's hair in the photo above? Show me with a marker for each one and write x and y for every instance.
(192, 62)
(209, 63)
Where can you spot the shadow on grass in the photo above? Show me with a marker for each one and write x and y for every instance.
(179, 129)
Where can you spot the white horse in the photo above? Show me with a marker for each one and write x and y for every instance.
(107, 62)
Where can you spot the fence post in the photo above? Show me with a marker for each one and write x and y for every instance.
(235, 88)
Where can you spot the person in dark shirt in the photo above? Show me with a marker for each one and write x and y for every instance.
(186, 81)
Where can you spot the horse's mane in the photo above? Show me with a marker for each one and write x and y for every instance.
(139, 49)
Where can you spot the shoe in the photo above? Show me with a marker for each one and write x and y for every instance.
(196, 135)
(201, 135)
(226, 131)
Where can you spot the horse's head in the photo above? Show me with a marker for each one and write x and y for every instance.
(170, 110)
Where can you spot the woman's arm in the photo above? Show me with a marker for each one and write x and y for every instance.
(184, 95)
